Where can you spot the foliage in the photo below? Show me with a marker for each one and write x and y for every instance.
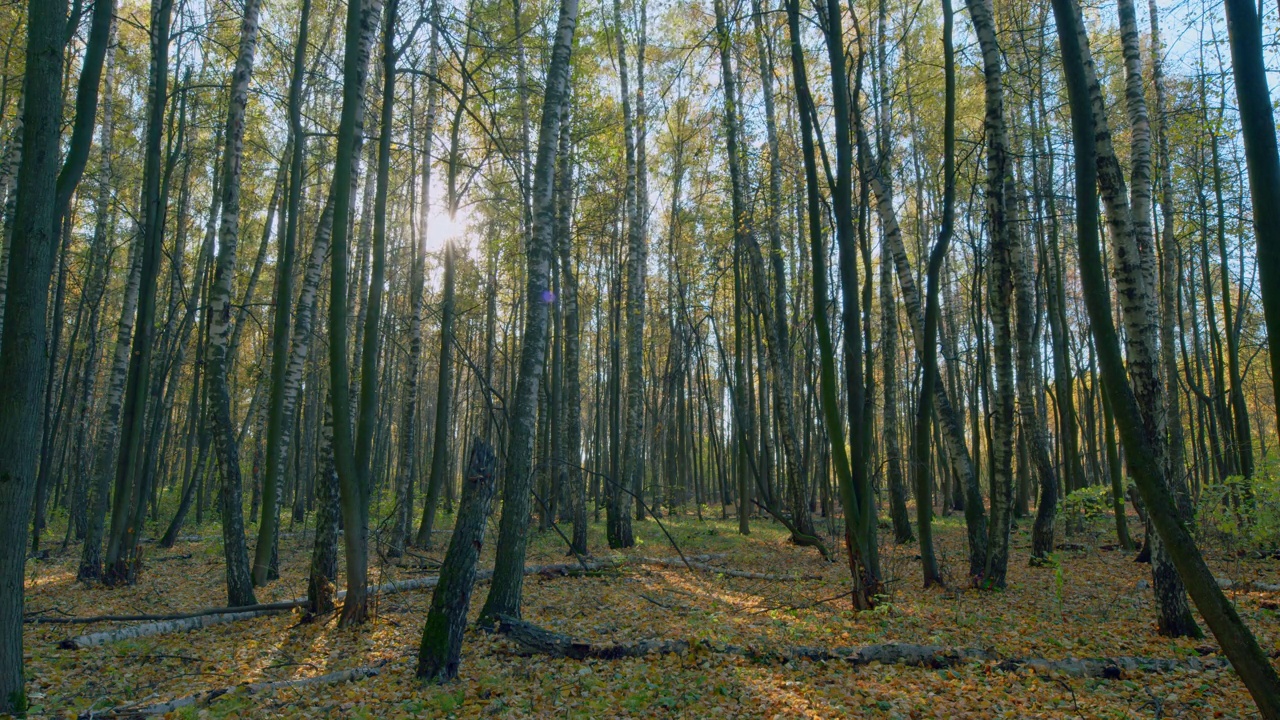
(1242, 514)
(1083, 508)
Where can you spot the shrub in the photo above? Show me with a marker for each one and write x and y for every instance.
(1084, 507)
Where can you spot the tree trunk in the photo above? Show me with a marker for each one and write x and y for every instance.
(948, 416)
(129, 504)
(1239, 645)
(362, 23)
(268, 527)
(1004, 247)
(571, 411)
(441, 648)
(444, 400)
(239, 583)
(866, 582)
(1170, 315)
(23, 363)
(1258, 130)
(1134, 271)
(508, 577)
(637, 205)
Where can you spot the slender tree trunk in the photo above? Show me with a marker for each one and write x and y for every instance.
(408, 467)
(508, 577)
(277, 413)
(637, 205)
(1170, 315)
(948, 415)
(572, 400)
(444, 401)
(1134, 275)
(440, 454)
(362, 23)
(239, 583)
(866, 582)
(23, 362)
(1005, 248)
(924, 406)
(1263, 160)
(126, 515)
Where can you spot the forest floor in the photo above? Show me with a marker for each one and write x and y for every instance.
(1094, 603)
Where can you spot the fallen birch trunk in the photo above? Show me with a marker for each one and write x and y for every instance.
(194, 622)
(540, 640)
(1228, 584)
(204, 698)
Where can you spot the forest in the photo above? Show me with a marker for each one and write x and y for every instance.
(641, 358)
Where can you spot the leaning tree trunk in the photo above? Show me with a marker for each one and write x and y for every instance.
(1239, 645)
(508, 575)
(23, 363)
(1134, 267)
(441, 647)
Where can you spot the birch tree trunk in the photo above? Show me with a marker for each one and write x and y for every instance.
(1004, 247)
(239, 582)
(508, 575)
(619, 524)
(1133, 254)
(1246, 657)
(1170, 316)
(572, 400)
(102, 458)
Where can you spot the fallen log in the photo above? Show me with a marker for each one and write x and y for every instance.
(184, 622)
(204, 698)
(268, 607)
(547, 642)
(194, 622)
(1227, 584)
